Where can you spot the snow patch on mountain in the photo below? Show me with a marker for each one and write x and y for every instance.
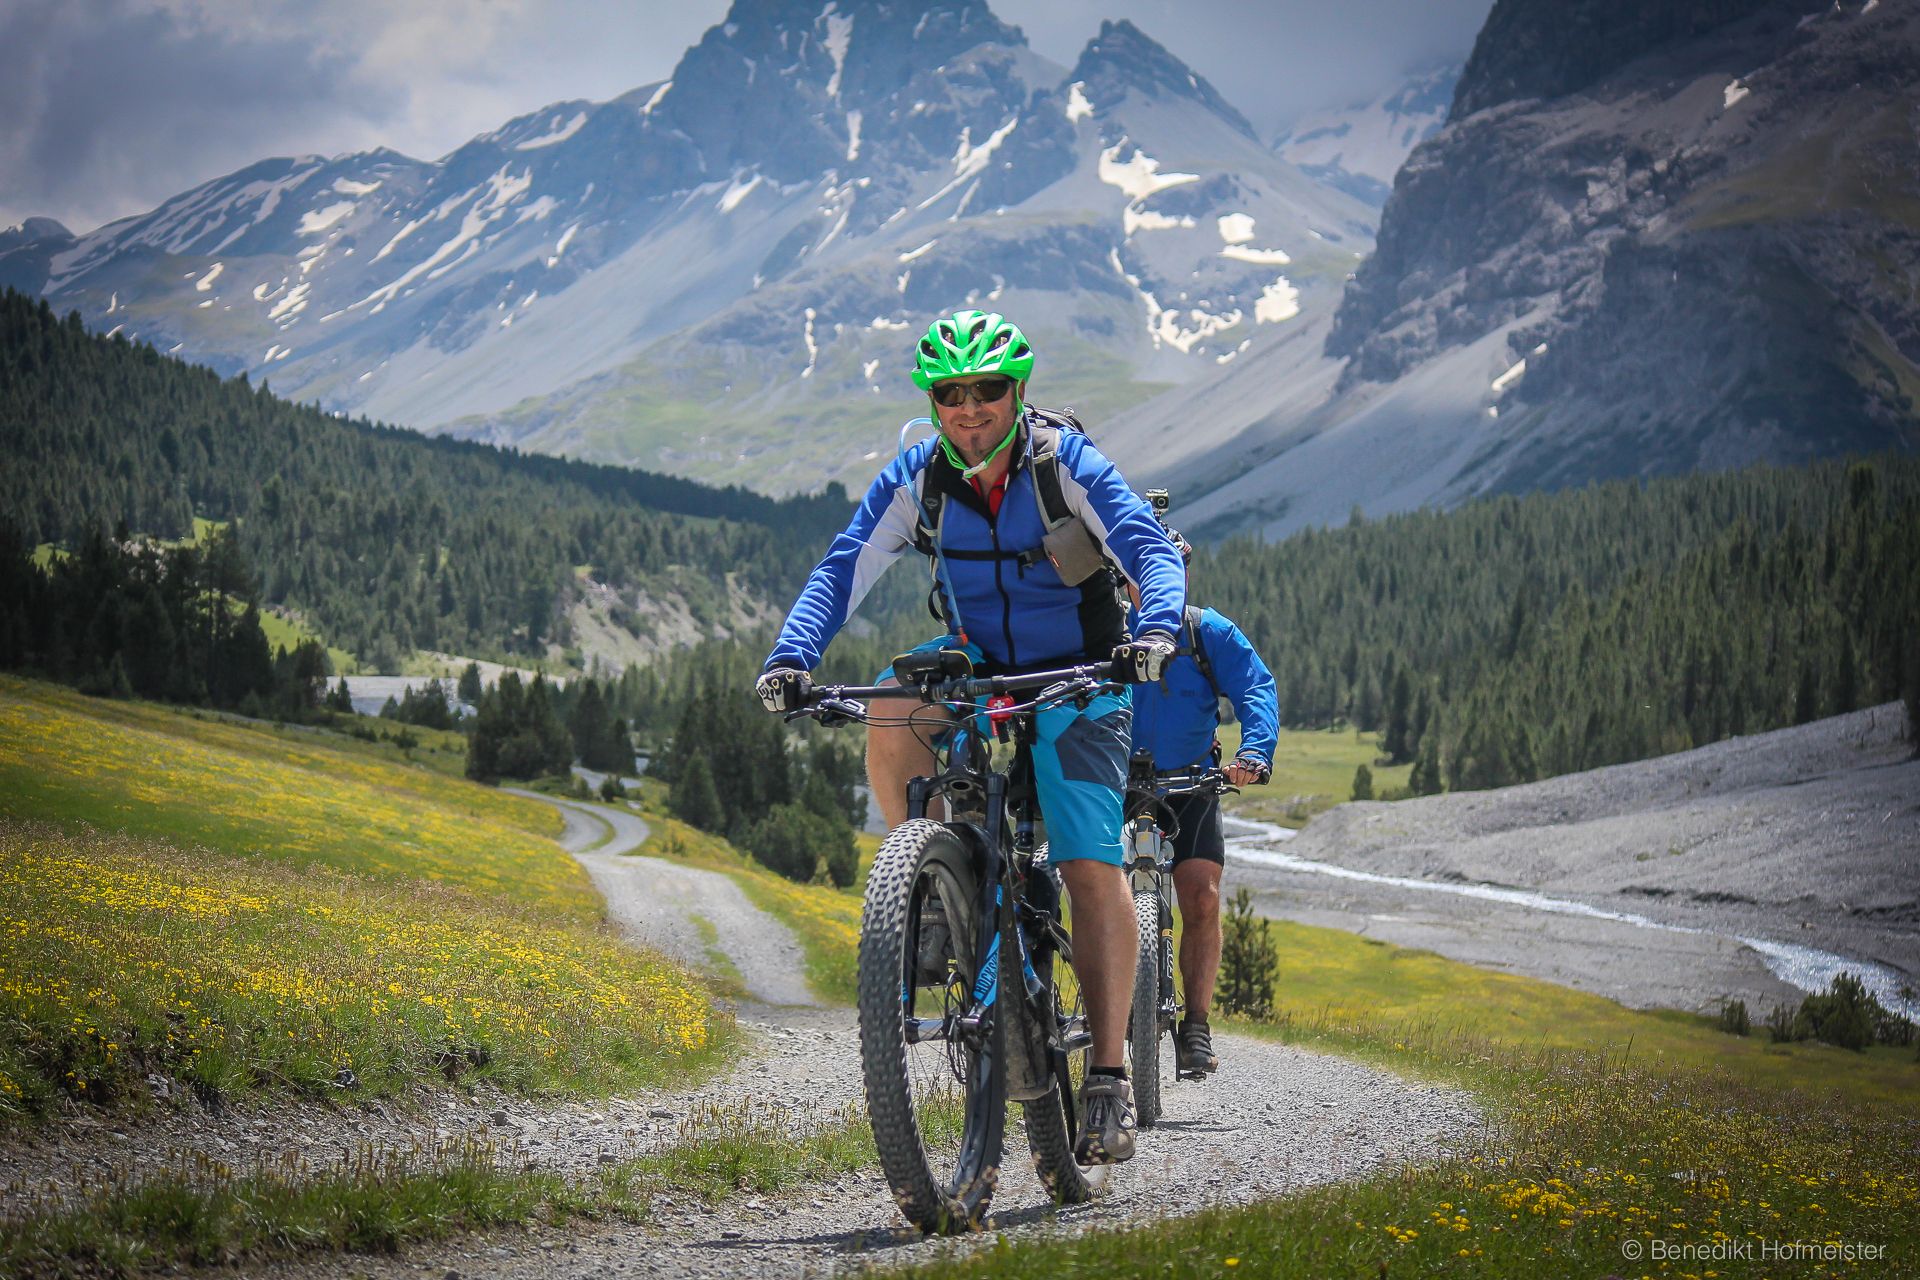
(1132, 220)
(293, 304)
(1078, 108)
(969, 159)
(1278, 301)
(738, 191)
(317, 220)
(1359, 148)
(839, 30)
(502, 189)
(1139, 175)
(560, 247)
(205, 282)
(558, 135)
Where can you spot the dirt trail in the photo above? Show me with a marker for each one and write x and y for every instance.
(1275, 1119)
(658, 902)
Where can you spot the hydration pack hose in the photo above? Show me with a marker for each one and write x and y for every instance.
(940, 574)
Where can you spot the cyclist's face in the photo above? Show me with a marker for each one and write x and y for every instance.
(974, 429)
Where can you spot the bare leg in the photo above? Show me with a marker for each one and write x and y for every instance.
(1105, 946)
(897, 754)
(1196, 883)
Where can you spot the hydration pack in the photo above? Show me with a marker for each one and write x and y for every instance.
(1068, 545)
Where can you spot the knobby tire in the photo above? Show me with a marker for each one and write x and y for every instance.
(1143, 1024)
(937, 1190)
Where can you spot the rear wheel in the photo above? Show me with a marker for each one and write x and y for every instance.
(1143, 1026)
(935, 1091)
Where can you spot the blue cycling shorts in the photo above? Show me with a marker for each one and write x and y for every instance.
(1079, 767)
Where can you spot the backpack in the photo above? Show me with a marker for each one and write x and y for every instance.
(1191, 645)
(1068, 545)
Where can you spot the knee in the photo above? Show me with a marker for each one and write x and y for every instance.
(1200, 902)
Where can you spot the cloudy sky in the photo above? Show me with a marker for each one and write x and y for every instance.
(107, 107)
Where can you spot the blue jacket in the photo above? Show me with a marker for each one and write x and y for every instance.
(1177, 723)
(1020, 614)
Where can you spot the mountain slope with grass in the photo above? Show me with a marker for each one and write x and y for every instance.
(712, 275)
(252, 912)
(383, 541)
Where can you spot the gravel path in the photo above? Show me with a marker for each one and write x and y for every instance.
(1275, 1119)
(657, 901)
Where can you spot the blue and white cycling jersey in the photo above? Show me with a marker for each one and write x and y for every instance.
(1015, 608)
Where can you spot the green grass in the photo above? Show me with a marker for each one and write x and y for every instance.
(378, 1202)
(1609, 1129)
(247, 912)
(721, 964)
(288, 796)
(1312, 772)
(1826, 173)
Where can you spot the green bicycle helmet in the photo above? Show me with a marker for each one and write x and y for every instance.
(969, 342)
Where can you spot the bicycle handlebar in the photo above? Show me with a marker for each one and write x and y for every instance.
(845, 701)
(1180, 782)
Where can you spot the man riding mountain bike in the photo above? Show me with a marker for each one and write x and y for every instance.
(1178, 721)
(1030, 532)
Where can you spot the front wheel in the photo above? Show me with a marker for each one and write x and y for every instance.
(1143, 1025)
(936, 1094)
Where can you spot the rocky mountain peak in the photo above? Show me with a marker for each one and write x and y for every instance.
(772, 86)
(1550, 48)
(32, 231)
(1122, 58)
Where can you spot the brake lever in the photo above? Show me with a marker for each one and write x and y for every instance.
(834, 712)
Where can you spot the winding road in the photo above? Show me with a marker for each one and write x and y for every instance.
(663, 903)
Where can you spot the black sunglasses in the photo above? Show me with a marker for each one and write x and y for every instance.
(951, 395)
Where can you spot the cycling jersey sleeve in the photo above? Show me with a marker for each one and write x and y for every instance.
(882, 527)
(1124, 524)
(1246, 682)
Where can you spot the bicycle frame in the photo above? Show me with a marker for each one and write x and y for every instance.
(1017, 910)
(1149, 853)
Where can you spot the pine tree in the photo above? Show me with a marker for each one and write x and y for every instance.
(1248, 960)
(1363, 783)
(694, 800)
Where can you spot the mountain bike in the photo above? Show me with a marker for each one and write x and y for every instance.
(952, 907)
(1148, 842)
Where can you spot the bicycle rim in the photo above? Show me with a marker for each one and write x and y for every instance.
(937, 1105)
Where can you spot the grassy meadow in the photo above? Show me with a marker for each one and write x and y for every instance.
(1617, 1141)
(1312, 772)
(249, 911)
